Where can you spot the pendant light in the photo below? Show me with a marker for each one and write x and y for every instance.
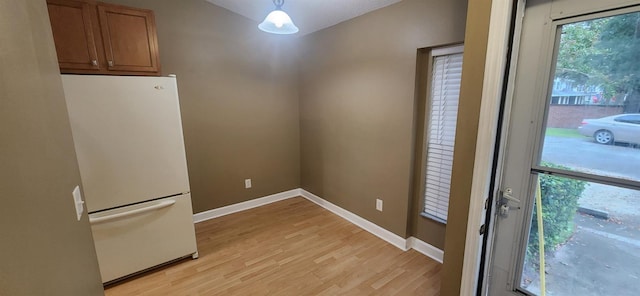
(278, 21)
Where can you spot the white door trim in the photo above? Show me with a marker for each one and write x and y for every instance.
(495, 63)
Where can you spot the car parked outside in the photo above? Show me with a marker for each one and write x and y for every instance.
(624, 128)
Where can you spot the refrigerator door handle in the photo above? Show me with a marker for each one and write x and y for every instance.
(163, 204)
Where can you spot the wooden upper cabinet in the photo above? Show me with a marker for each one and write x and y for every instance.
(72, 28)
(100, 38)
(129, 37)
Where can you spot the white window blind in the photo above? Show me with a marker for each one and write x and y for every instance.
(441, 132)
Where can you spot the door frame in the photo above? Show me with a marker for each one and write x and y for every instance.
(493, 132)
(502, 45)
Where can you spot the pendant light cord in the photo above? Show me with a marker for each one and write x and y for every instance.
(278, 3)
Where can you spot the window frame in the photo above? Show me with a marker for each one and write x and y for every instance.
(433, 54)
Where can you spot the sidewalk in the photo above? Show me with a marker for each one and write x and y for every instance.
(620, 203)
(603, 256)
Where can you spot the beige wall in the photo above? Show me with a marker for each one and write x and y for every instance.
(357, 104)
(238, 94)
(43, 249)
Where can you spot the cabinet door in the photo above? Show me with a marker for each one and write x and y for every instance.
(129, 37)
(73, 34)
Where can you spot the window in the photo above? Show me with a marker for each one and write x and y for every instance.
(635, 119)
(440, 134)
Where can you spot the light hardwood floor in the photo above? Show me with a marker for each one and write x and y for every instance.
(291, 247)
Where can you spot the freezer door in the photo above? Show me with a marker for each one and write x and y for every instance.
(128, 137)
(135, 238)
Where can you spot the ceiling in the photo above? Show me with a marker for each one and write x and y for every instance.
(308, 15)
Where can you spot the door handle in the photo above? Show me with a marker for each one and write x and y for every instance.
(507, 194)
(503, 203)
(164, 204)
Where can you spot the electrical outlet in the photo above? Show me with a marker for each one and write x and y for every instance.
(379, 204)
(247, 183)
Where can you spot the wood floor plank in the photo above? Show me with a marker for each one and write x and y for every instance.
(291, 247)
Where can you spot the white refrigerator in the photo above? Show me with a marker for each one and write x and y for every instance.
(128, 138)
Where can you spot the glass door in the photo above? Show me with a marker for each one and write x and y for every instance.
(568, 214)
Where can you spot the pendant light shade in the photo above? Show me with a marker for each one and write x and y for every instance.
(278, 21)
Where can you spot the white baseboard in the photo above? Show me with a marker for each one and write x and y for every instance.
(386, 235)
(250, 204)
(425, 249)
(365, 224)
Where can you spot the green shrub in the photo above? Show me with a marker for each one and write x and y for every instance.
(559, 205)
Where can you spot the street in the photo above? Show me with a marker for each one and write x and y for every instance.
(585, 155)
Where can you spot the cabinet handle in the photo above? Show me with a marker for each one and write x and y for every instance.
(110, 63)
(94, 62)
